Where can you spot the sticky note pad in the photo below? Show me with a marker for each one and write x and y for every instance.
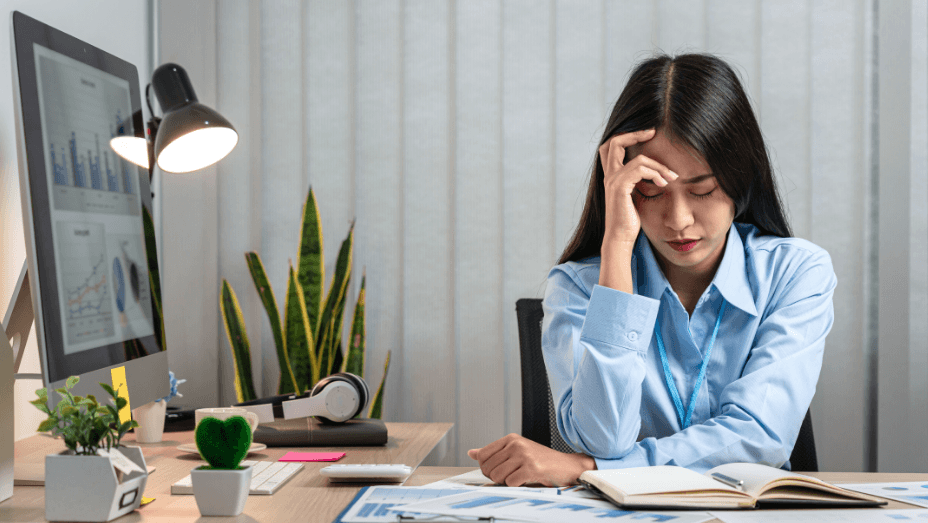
(122, 390)
(312, 456)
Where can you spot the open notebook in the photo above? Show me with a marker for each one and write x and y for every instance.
(735, 485)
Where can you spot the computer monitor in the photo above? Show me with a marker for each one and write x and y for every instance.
(91, 256)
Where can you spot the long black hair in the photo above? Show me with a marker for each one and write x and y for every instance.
(695, 98)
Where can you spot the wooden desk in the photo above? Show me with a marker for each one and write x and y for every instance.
(307, 497)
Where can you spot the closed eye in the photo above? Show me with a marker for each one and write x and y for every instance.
(658, 195)
(704, 195)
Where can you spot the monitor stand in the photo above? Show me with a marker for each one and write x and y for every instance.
(16, 327)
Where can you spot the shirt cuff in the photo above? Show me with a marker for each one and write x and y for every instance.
(620, 319)
(636, 458)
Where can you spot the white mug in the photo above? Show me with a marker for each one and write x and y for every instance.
(264, 411)
(226, 413)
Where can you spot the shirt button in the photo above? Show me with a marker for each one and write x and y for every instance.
(633, 336)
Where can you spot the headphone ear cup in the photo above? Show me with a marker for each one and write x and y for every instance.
(357, 384)
(363, 392)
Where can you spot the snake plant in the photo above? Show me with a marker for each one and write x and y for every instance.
(307, 332)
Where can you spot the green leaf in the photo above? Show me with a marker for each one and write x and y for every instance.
(354, 362)
(71, 382)
(148, 226)
(323, 351)
(69, 411)
(336, 296)
(120, 403)
(47, 425)
(42, 393)
(238, 341)
(336, 357)
(109, 390)
(311, 262)
(266, 293)
(302, 359)
(156, 310)
(377, 404)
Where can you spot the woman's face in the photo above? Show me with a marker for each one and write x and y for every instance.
(687, 220)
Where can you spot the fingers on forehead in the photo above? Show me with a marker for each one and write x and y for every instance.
(629, 139)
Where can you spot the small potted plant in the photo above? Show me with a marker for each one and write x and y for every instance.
(221, 488)
(95, 479)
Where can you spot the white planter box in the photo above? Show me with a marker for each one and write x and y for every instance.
(84, 488)
(221, 492)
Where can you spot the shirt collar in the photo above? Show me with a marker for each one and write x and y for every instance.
(730, 280)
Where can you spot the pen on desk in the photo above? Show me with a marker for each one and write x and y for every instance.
(737, 483)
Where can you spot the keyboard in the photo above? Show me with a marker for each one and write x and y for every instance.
(266, 477)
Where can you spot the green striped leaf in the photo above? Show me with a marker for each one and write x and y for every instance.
(354, 362)
(336, 296)
(311, 262)
(323, 354)
(335, 338)
(238, 341)
(288, 381)
(377, 405)
(297, 333)
(159, 319)
(148, 226)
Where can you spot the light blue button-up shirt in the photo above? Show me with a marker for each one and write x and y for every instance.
(605, 371)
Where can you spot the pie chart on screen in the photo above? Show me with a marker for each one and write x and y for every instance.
(120, 282)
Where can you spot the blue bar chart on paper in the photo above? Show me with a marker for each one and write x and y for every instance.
(385, 504)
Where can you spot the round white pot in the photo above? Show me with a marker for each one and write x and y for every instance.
(221, 492)
(151, 421)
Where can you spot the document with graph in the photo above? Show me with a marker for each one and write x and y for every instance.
(503, 504)
(913, 492)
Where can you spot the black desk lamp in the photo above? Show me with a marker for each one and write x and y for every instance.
(188, 137)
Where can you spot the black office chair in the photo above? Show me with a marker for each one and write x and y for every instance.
(538, 417)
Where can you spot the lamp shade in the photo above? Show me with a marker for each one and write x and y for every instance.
(129, 141)
(191, 136)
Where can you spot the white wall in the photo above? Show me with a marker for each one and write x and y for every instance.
(117, 26)
(460, 134)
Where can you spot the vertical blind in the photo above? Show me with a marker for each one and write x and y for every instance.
(458, 137)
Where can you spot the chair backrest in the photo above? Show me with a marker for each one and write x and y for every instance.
(538, 417)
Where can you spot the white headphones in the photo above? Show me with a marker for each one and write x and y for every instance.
(335, 398)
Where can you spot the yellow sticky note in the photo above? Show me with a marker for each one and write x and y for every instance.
(146, 501)
(121, 386)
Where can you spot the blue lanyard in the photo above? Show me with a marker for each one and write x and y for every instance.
(685, 420)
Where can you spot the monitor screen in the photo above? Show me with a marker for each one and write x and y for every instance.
(87, 213)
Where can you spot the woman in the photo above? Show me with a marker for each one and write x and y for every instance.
(683, 325)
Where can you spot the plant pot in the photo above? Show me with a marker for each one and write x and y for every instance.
(85, 488)
(151, 421)
(221, 492)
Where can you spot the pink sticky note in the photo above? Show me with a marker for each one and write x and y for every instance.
(312, 456)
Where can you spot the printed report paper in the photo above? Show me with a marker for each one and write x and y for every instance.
(913, 492)
(511, 504)
(824, 516)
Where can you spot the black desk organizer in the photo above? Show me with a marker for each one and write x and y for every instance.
(309, 432)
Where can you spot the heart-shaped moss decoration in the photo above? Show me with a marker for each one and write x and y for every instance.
(223, 443)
